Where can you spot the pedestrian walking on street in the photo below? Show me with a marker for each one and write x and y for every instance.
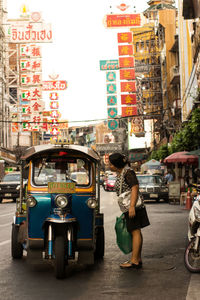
(136, 218)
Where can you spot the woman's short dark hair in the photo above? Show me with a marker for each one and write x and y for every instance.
(118, 160)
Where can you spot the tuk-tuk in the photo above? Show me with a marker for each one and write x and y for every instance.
(58, 212)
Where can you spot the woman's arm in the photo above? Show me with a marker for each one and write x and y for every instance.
(134, 196)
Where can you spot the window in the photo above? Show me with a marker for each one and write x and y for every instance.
(61, 169)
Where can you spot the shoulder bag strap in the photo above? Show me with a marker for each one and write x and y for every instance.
(121, 179)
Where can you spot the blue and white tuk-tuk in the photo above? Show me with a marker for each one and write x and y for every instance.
(58, 213)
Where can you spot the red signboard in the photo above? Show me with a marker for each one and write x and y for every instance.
(125, 50)
(127, 74)
(129, 99)
(54, 85)
(123, 20)
(128, 87)
(126, 62)
(129, 111)
(125, 37)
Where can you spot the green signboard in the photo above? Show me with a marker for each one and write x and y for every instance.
(112, 124)
(112, 100)
(106, 65)
(111, 76)
(111, 88)
(112, 112)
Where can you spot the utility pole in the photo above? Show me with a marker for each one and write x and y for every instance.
(4, 105)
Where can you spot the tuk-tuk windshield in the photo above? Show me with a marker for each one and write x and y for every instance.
(61, 169)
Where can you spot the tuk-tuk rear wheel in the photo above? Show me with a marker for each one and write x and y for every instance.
(59, 251)
(16, 247)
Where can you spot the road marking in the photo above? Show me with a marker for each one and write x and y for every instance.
(5, 242)
(5, 215)
(4, 225)
(193, 289)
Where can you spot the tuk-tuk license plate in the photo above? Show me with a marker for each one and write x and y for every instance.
(8, 195)
(153, 195)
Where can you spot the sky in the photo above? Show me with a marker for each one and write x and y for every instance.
(80, 41)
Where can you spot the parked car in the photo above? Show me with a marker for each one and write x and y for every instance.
(153, 187)
(10, 186)
(109, 182)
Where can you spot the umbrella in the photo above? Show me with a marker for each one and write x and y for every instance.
(151, 164)
(195, 152)
(181, 157)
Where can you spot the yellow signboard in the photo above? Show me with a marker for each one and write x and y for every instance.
(61, 187)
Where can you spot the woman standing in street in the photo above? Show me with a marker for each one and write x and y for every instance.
(136, 218)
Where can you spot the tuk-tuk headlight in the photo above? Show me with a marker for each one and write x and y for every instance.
(61, 201)
(31, 201)
(92, 203)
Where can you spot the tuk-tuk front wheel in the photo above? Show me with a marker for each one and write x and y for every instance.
(16, 247)
(59, 251)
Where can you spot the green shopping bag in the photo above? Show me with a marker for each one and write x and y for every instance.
(123, 237)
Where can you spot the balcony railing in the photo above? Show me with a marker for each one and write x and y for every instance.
(174, 75)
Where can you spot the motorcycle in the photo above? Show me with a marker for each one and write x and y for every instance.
(192, 251)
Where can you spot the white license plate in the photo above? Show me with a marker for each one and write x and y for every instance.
(153, 195)
(8, 195)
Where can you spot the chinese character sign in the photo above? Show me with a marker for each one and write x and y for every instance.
(125, 37)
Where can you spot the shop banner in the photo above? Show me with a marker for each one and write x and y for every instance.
(125, 50)
(31, 79)
(127, 74)
(129, 111)
(25, 32)
(125, 37)
(54, 105)
(31, 64)
(54, 85)
(129, 99)
(128, 86)
(106, 65)
(53, 96)
(31, 50)
(137, 126)
(126, 62)
(123, 20)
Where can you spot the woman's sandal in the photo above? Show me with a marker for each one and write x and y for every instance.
(129, 265)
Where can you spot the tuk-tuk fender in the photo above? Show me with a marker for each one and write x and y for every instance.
(54, 218)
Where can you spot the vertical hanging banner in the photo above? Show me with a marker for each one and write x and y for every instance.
(125, 37)
(112, 100)
(53, 86)
(125, 50)
(137, 126)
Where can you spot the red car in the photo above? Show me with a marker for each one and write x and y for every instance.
(109, 183)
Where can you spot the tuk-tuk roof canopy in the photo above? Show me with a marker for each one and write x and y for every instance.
(35, 150)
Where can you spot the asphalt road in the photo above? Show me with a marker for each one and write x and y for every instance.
(162, 277)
